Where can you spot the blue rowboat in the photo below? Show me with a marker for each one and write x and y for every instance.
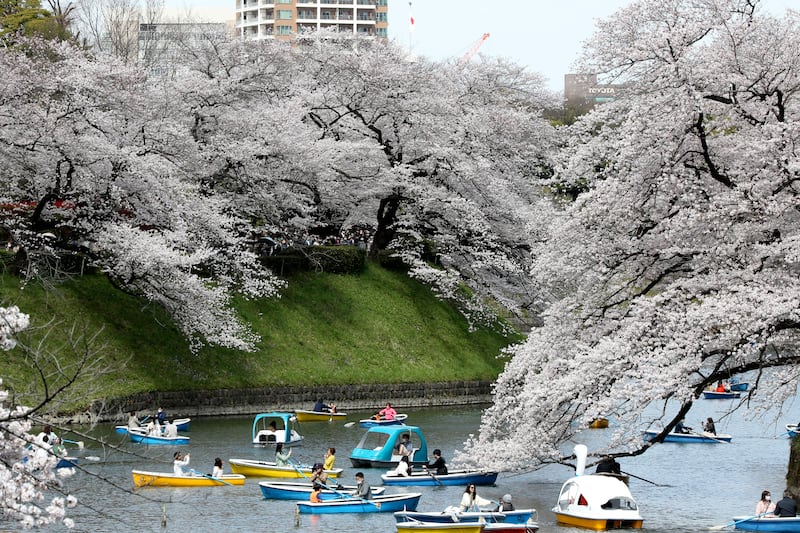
(792, 430)
(714, 395)
(454, 514)
(789, 524)
(140, 436)
(427, 478)
(387, 503)
(741, 387)
(287, 490)
(398, 420)
(181, 423)
(380, 444)
(703, 438)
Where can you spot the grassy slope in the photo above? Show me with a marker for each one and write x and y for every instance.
(378, 327)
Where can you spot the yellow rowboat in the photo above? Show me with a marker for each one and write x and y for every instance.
(168, 479)
(599, 423)
(431, 527)
(318, 416)
(253, 468)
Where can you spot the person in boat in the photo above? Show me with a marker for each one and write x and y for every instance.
(47, 431)
(709, 426)
(161, 416)
(58, 448)
(680, 428)
(273, 427)
(470, 501)
(217, 470)
(180, 462)
(154, 428)
(505, 504)
(318, 474)
(314, 497)
(363, 490)
(133, 421)
(170, 429)
(438, 463)
(322, 407)
(608, 465)
(765, 504)
(281, 456)
(786, 506)
(329, 460)
(405, 448)
(387, 413)
(403, 467)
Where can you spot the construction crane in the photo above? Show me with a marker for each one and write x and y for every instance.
(473, 49)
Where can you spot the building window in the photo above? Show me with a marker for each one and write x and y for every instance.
(381, 32)
(284, 14)
(382, 17)
(381, 3)
(283, 30)
(284, 1)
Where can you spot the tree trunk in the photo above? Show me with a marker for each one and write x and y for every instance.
(793, 470)
(387, 216)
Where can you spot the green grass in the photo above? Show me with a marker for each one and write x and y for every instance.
(377, 327)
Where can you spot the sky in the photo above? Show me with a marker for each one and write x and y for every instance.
(543, 35)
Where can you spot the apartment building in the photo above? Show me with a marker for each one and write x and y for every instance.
(286, 19)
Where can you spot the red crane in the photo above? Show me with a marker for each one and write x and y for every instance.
(473, 49)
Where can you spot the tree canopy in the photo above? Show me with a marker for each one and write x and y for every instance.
(677, 267)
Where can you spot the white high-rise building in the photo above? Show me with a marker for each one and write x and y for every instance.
(285, 19)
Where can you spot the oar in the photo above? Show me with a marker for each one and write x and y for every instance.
(79, 443)
(708, 436)
(735, 522)
(349, 424)
(436, 479)
(209, 476)
(643, 479)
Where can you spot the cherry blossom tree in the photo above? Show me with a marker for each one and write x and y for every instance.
(100, 160)
(26, 475)
(677, 266)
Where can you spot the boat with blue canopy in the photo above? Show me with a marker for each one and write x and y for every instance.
(272, 428)
(380, 447)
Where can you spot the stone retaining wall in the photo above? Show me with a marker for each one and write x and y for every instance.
(281, 398)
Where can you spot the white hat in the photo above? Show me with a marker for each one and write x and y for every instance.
(507, 498)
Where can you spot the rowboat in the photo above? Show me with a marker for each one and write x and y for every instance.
(598, 423)
(250, 467)
(466, 527)
(789, 524)
(703, 438)
(429, 478)
(455, 514)
(792, 429)
(141, 436)
(284, 490)
(433, 527)
(181, 423)
(398, 420)
(169, 479)
(386, 503)
(272, 428)
(741, 387)
(318, 416)
(714, 395)
(595, 501)
(380, 444)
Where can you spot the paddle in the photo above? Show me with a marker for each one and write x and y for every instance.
(735, 522)
(436, 479)
(708, 436)
(349, 424)
(643, 479)
(79, 443)
(209, 476)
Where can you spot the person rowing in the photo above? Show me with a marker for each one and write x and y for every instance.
(387, 413)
